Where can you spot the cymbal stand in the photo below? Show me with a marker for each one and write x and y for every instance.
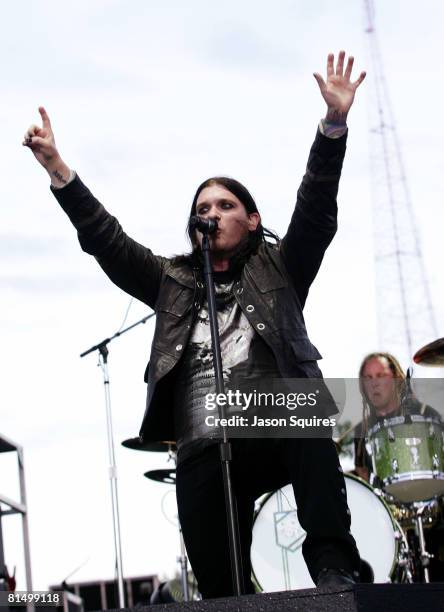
(405, 556)
(404, 561)
(423, 554)
(182, 559)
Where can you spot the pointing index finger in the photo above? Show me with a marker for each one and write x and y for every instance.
(45, 118)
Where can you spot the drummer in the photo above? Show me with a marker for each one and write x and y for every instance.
(381, 382)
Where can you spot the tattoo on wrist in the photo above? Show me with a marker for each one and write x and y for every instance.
(59, 177)
(335, 116)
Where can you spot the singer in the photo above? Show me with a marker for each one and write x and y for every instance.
(261, 289)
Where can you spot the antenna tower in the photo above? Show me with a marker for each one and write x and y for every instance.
(405, 314)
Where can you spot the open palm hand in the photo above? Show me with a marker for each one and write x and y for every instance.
(338, 90)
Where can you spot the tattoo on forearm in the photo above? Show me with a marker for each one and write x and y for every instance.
(335, 116)
(59, 177)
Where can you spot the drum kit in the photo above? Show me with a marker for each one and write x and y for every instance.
(389, 517)
(168, 476)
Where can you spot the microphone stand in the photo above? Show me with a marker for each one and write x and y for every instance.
(225, 445)
(102, 348)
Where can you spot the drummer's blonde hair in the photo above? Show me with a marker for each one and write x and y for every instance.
(394, 366)
(398, 375)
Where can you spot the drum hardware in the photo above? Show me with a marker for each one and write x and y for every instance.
(182, 559)
(165, 476)
(423, 554)
(412, 441)
(416, 516)
(405, 514)
(404, 565)
(430, 355)
(152, 447)
(168, 476)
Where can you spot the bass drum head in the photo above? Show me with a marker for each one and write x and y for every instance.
(276, 553)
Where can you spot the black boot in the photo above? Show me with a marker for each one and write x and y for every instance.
(331, 577)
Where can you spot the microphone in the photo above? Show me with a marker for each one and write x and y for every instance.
(205, 226)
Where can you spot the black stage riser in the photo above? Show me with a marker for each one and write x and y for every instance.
(361, 598)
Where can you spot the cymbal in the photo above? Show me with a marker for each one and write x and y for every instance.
(153, 447)
(165, 476)
(431, 354)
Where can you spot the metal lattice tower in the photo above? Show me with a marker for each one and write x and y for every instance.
(405, 314)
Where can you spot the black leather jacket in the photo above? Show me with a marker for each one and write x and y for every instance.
(272, 289)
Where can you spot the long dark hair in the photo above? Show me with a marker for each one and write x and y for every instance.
(255, 238)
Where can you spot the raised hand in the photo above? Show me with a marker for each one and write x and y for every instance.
(41, 140)
(338, 91)
(42, 143)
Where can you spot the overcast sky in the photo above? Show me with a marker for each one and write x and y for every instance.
(147, 99)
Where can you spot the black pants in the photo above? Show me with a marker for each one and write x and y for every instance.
(259, 466)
